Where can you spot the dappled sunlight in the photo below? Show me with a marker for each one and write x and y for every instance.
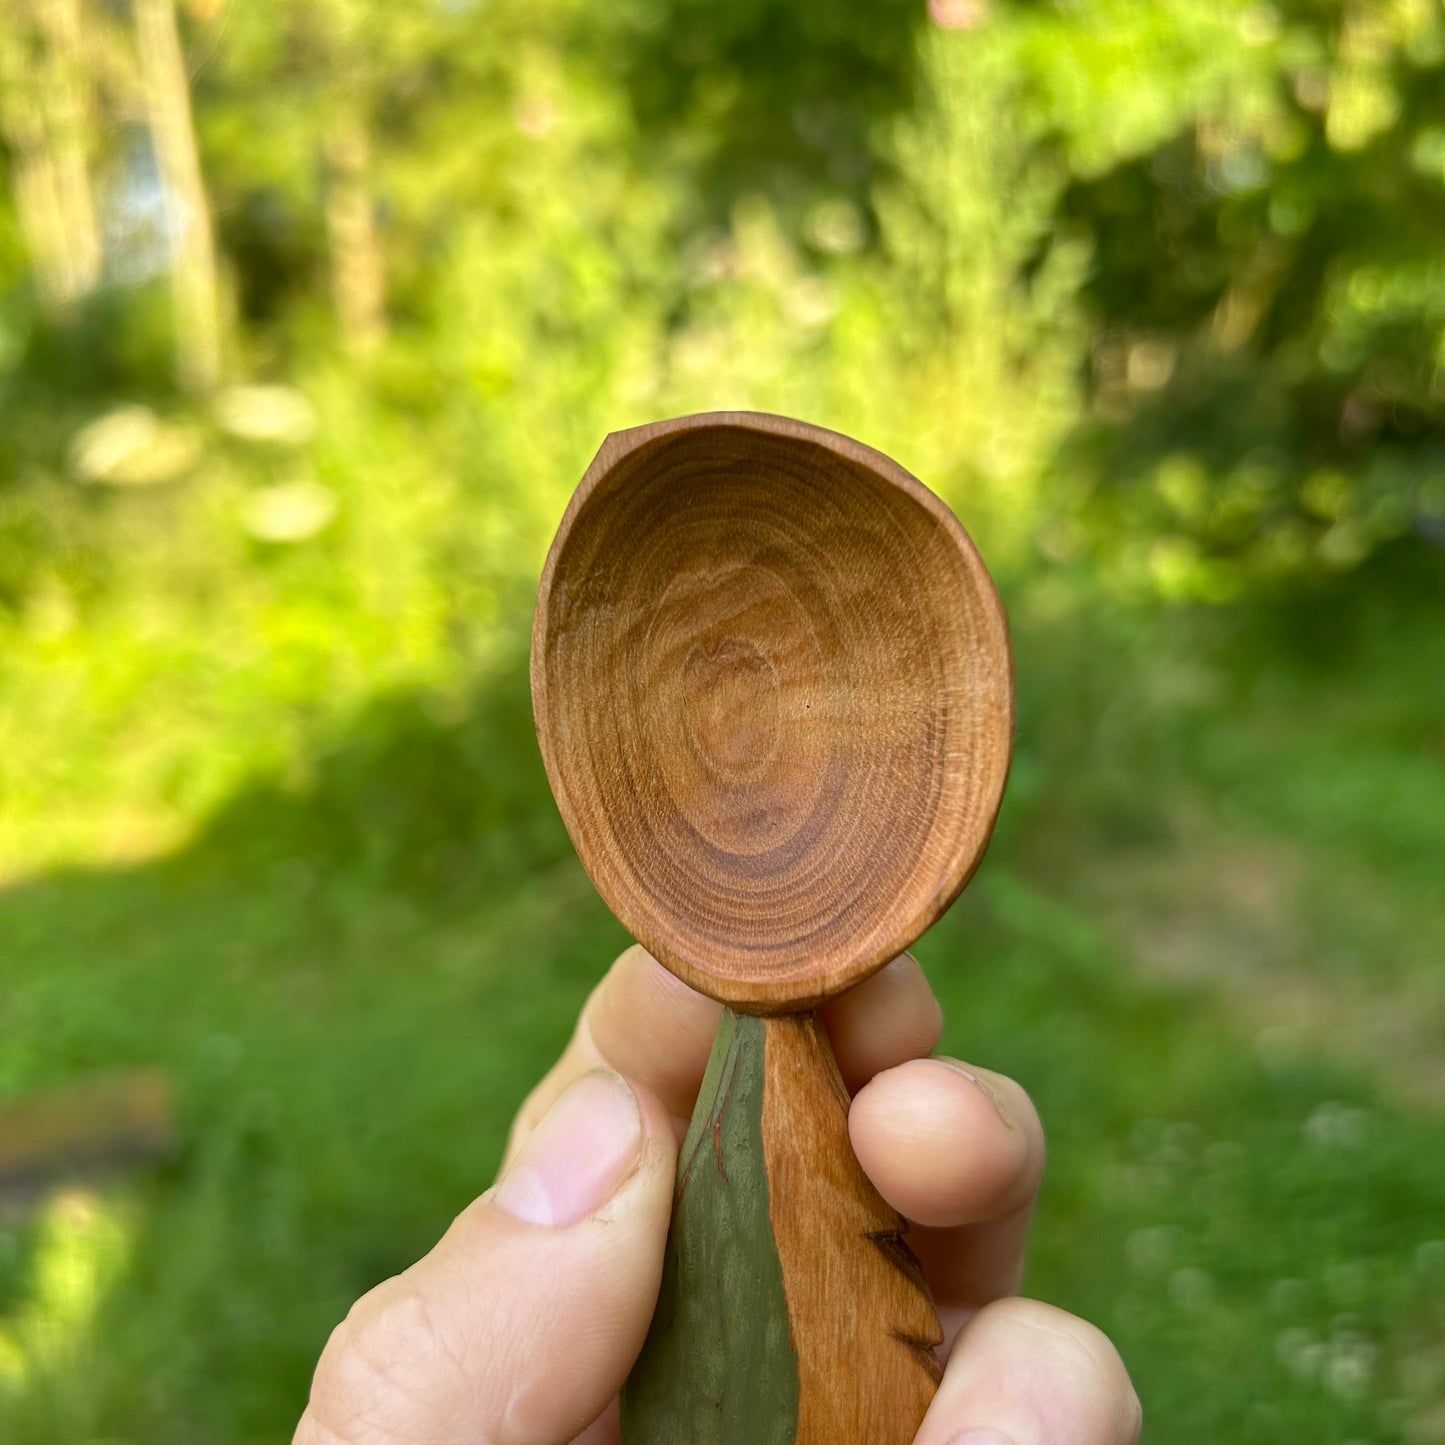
(80, 1250)
(311, 318)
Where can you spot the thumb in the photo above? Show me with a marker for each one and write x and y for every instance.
(522, 1323)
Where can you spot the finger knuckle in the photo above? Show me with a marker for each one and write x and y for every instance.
(385, 1357)
(1113, 1391)
(1096, 1351)
(1133, 1417)
(1085, 1353)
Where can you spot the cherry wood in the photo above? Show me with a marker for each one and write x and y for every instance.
(774, 696)
(791, 1311)
(863, 1321)
(719, 1365)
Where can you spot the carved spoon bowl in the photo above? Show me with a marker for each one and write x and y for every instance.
(774, 696)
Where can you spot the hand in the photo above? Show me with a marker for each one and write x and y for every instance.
(521, 1325)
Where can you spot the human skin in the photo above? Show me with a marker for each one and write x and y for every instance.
(520, 1326)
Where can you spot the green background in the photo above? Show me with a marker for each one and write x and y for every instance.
(1153, 295)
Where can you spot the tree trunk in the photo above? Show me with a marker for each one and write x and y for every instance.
(358, 272)
(47, 114)
(195, 286)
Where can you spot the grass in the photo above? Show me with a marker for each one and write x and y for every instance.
(353, 975)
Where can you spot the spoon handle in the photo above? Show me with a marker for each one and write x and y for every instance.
(791, 1311)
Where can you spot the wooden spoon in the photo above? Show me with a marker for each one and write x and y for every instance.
(774, 696)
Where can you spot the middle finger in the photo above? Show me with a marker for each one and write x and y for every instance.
(959, 1150)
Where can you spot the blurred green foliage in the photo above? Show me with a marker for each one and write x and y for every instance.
(1154, 296)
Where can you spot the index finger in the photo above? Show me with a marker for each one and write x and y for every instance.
(960, 1151)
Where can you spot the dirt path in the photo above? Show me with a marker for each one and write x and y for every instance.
(1250, 916)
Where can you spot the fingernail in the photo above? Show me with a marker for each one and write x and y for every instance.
(586, 1145)
(981, 1437)
(985, 1088)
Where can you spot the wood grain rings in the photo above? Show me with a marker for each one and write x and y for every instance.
(774, 696)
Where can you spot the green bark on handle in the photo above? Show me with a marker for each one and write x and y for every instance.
(718, 1366)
